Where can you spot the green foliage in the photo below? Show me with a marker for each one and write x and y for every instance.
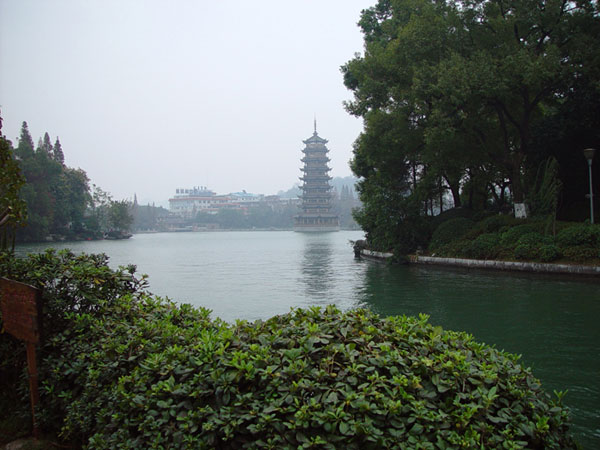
(138, 372)
(153, 375)
(514, 239)
(119, 215)
(511, 236)
(528, 246)
(543, 199)
(56, 196)
(452, 213)
(497, 222)
(549, 253)
(581, 253)
(449, 231)
(13, 211)
(465, 98)
(71, 285)
(147, 217)
(578, 235)
(485, 246)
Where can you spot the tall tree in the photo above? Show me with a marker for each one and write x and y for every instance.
(47, 145)
(120, 217)
(59, 156)
(12, 208)
(451, 90)
(25, 148)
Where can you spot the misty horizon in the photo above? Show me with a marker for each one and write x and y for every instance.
(150, 96)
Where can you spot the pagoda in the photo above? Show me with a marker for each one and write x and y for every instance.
(316, 196)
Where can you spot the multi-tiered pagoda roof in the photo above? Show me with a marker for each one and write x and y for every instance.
(316, 196)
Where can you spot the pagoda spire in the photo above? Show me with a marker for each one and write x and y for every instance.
(317, 214)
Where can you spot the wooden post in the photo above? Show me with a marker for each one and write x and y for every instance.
(21, 313)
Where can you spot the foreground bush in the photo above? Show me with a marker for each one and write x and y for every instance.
(72, 285)
(140, 372)
(151, 375)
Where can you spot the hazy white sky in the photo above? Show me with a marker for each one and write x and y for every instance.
(148, 96)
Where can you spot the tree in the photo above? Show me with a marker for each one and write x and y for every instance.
(46, 145)
(13, 211)
(25, 147)
(56, 196)
(58, 152)
(450, 93)
(544, 195)
(77, 195)
(119, 216)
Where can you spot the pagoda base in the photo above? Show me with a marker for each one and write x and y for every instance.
(316, 228)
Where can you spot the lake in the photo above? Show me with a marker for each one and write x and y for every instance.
(552, 321)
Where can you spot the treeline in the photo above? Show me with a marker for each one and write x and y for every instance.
(477, 104)
(55, 201)
(257, 216)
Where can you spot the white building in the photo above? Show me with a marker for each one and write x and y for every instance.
(188, 202)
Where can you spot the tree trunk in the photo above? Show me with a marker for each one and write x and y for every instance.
(455, 190)
(440, 187)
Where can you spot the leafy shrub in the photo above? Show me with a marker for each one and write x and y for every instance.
(451, 214)
(511, 236)
(350, 380)
(529, 246)
(534, 239)
(452, 250)
(450, 231)
(495, 223)
(308, 378)
(484, 246)
(71, 284)
(549, 253)
(580, 253)
(140, 372)
(525, 251)
(579, 235)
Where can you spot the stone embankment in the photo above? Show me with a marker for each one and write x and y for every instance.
(380, 256)
(534, 267)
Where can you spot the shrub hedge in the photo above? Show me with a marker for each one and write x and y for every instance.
(579, 235)
(484, 246)
(504, 237)
(135, 371)
(450, 231)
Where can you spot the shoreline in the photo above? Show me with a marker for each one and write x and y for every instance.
(511, 266)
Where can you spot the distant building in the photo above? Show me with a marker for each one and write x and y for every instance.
(316, 196)
(245, 198)
(188, 202)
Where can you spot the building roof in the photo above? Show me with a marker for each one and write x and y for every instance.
(315, 139)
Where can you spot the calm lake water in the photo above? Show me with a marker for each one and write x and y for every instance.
(553, 322)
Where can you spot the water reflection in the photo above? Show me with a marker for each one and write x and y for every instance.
(317, 269)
